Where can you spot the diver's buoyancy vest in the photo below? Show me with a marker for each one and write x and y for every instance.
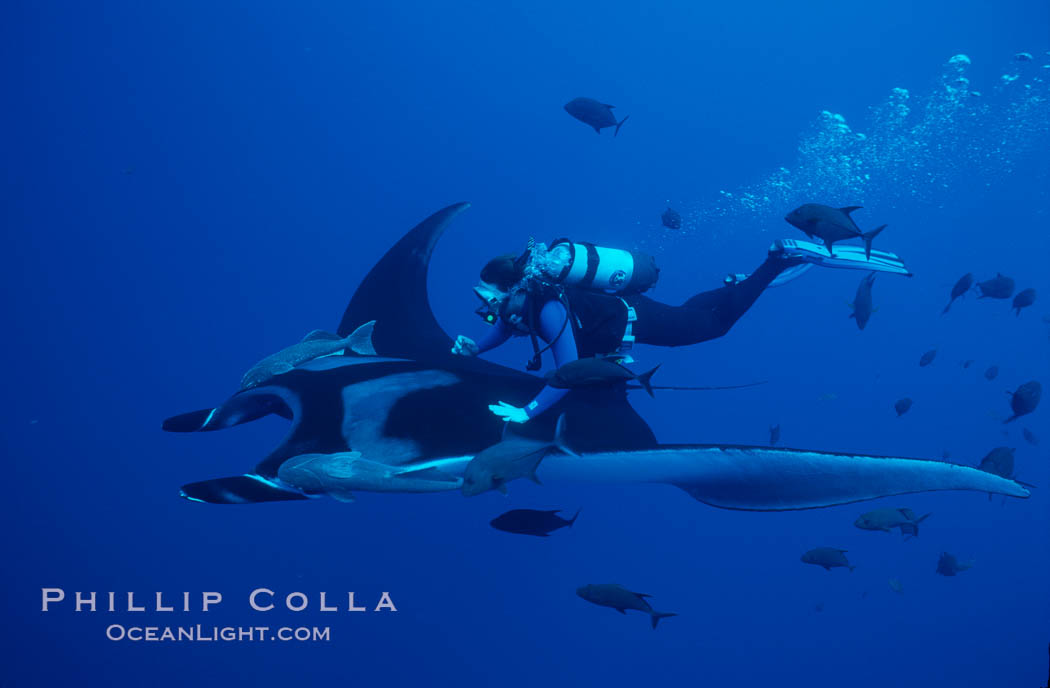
(610, 270)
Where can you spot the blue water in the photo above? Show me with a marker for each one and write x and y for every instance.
(195, 185)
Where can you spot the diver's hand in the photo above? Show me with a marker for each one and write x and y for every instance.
(465, 346)
(508, 412)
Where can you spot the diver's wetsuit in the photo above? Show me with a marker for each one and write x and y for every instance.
(599, 321)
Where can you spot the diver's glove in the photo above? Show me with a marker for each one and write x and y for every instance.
(509, 413)
(465, 346)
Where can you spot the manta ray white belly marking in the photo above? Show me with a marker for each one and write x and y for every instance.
(367, 407)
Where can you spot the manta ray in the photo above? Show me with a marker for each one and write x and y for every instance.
(404, 414)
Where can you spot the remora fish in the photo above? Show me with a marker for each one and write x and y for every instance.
(961, 287)
(314, 345)
(509, 460)
(1024, 400)
(888, 519)
(862, 307)
(595, 372)
(831, 225)
(532, 522)
(594, 113)
(999, 287)
(621, 599)
(339, 475)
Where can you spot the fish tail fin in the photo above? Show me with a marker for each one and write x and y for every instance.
(645, 379)
(868, 237)
(620, 124)
(574, 517)
(656, 616)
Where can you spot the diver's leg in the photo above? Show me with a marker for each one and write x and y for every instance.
(709, 314)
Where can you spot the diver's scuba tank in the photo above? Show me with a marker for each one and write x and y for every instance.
(586, 266)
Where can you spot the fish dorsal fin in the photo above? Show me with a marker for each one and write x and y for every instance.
(608, 106)
(643, 594)
(361, 339)
(850, 208)
(320, 335)
(395, 291)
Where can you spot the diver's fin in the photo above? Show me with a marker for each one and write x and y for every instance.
(361, 339)
(868, 237)
(240, 489)
(395, 290)
(320, 335)
(620, 124)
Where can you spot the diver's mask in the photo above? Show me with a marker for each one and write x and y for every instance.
(491, 300)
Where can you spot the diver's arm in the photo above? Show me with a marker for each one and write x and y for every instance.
(553, 317)
(499, 333)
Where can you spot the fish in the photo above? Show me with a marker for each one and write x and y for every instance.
(888, 519)
(828, 557)
(532, 522)
(594, 114)
(967, 363)
(671, 219)
(949, 565)
(946, 454)
(1024, 400)
(1030, 437)
(999, 287)
(999, 461)
(927, 358)
(862, 307)
(1024, 299)
(962, 286)
(510, 459)
(621, 599)
(341, 474)
(414, 406)
(902, 406)
(828, 396)
(596, 372)
(774, 434)
(992, 372)
(895, 586)
(831, 225)
(314, 345)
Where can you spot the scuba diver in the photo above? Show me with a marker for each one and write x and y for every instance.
(583, 300)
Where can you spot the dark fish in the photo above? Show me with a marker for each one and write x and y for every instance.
(991, 373)
(960, 288)
(927, 358)
(671, 219)
(948, 565)
(818, 607)
(967, 363)
(828, 557)
(830, 225)
(620, 599)
(1030, 437)
(862, 309)
(999, 287)
(594, 113)
(888, 519)
(1024, 400)
(596, 372)
(999, 461)
(902, 406)
(531, 522)
(1024, 299)
(774, 434)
